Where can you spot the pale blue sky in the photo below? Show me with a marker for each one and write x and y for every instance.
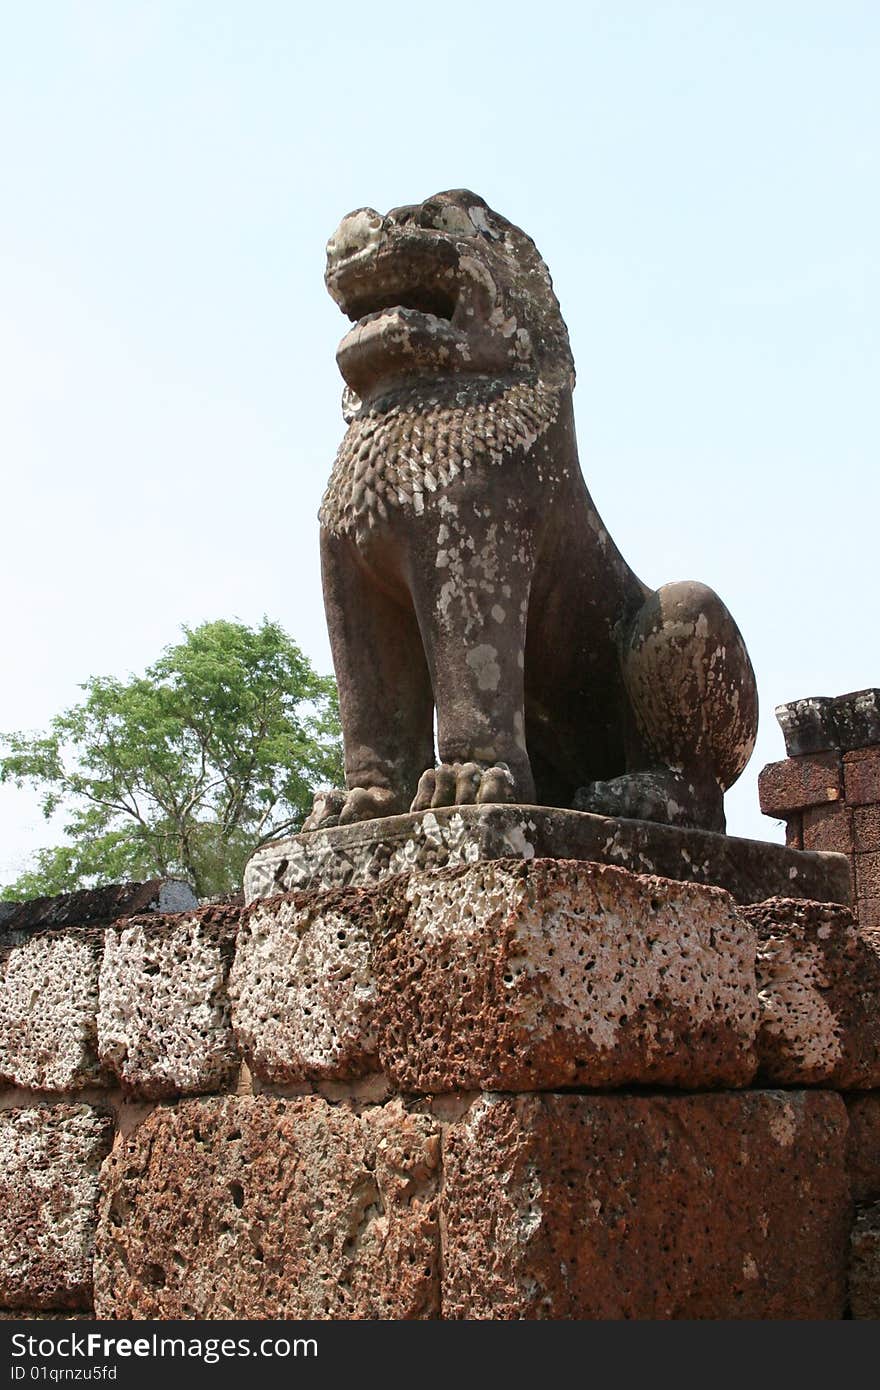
(701, 178)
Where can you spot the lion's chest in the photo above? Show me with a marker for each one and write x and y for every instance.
(402, 464)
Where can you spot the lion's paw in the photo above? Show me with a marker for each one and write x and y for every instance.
(326, 806)
(663, 797)
(464, 784)
(335, 807)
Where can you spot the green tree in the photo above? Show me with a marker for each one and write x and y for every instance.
(184, 770)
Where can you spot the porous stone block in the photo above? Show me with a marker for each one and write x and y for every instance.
(861, 772)
(164, 1024)
(863, 1146)
(866, 828)
(367, 851)
(302, 986)
(48, 1011)
(94, 906)
(49, 1162)
(868, 875)
(527, 976)
(864, 1263)
(795, 783)
(266, 1208)
(819, 987)
(869, 913)
(794, 830)
(708, 1206)
(828, 827)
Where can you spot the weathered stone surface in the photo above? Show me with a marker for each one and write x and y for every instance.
(709, 1206)
(861, 775)
(828, 827)
(303, 988)
(54, 1316)
(863, 1146)
(505, 974)
(95, 907)
(751, 870)
(864, 1263)
(269, 1208)
(530, 976)
(819, 723)
(807, 725)
(819, 986)
(48, 1011)
(869, 913)
(49, 1161)
(868, 875)
(794, 830)
(164, 1024)
(795, 783)
(866, 828)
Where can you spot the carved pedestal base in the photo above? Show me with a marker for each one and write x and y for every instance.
(751, 870)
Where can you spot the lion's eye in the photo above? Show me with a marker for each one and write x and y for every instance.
(446, 217)
(456, 221)
(427, 216)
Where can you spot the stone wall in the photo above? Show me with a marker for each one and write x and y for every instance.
(508, 1089)
(828, 792)
(828, 788)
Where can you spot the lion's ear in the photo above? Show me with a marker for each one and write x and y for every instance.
(351, 404)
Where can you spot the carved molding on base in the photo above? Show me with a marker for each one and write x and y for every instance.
(362, 853)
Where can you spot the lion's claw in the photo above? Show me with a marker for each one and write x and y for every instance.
(325, 809)
(335, 807)
(463, 784)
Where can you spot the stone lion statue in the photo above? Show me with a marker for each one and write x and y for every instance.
(467, 571)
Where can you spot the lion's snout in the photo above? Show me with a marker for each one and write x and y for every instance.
(358, 232)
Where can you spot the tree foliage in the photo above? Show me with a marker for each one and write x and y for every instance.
(184, 770)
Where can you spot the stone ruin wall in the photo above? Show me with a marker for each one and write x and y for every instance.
(828, 789)
(515, 1088)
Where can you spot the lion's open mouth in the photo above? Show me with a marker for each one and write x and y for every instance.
(403, 307)
(399, 277)
(437, 301)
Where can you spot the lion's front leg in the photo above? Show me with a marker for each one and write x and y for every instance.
(471, 593)
(385, 695)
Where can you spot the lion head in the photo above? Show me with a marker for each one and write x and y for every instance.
(443, 287)
(458, 351)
